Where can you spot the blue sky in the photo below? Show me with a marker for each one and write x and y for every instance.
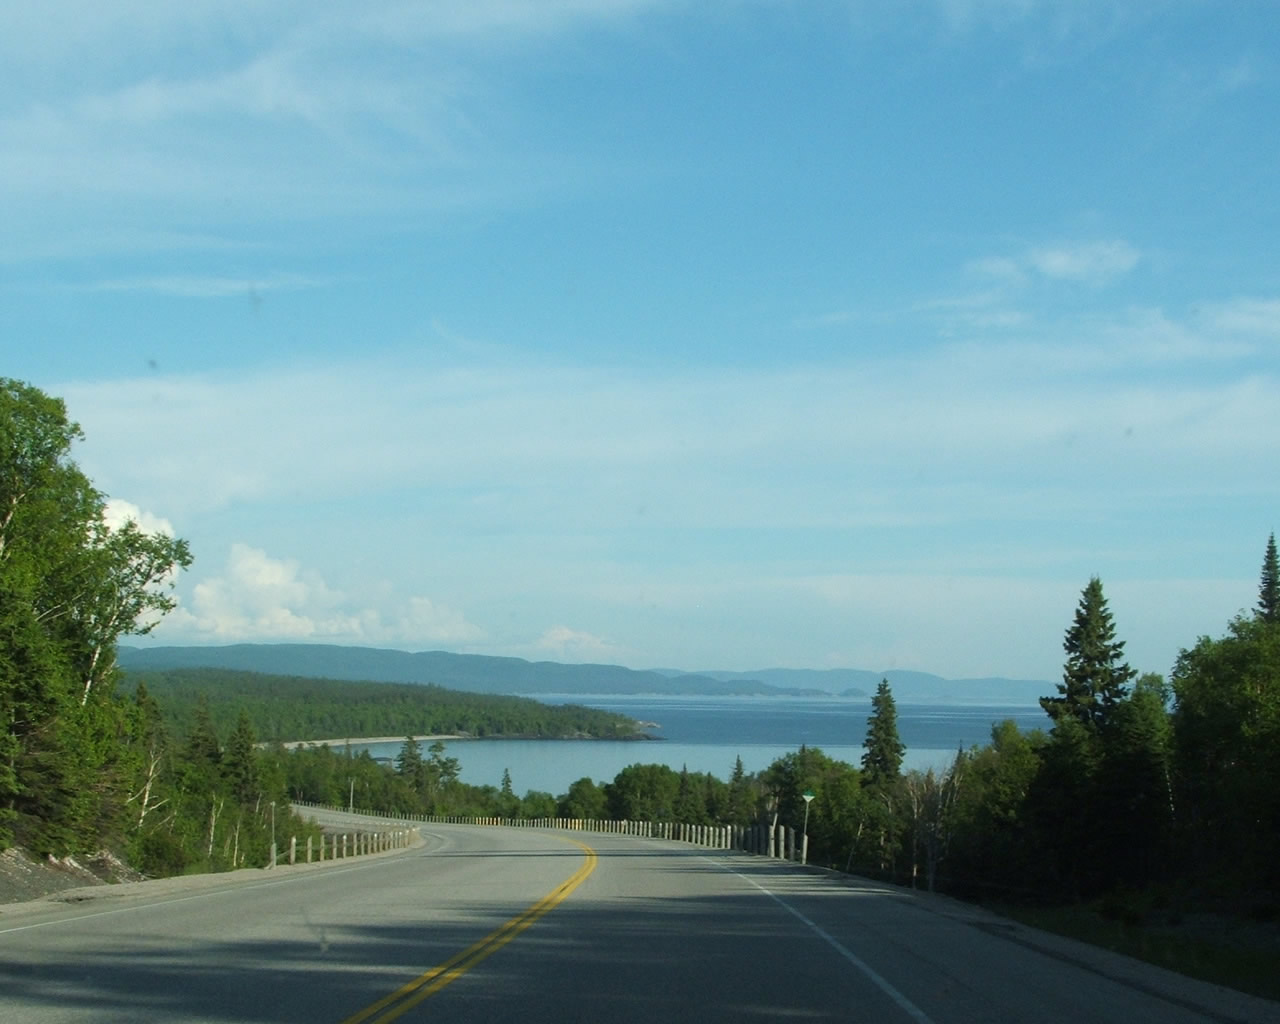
(703, 335)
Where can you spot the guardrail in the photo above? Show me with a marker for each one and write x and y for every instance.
(777, 841)
(344, 844)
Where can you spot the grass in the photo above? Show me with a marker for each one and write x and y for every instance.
(1234, 952)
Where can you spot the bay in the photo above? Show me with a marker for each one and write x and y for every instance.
(707, 734)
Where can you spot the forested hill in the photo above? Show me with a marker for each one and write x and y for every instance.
(474, 673)
(296, 708)
(477, 673)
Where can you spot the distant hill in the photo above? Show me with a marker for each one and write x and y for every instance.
(473, 673)
(477, 673)
(908, 687)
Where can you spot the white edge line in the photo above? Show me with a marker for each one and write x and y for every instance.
(910, 1008)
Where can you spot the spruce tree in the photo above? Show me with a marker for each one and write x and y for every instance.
(1269, 588)
(240, 761)
(1095, 677)
(741, 810)
(882, 757)
(409, 764)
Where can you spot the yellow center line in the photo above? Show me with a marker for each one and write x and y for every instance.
(428, 984)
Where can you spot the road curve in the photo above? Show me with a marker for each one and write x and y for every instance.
(494, 924)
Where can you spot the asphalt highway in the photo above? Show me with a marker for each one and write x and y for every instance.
(493, 924)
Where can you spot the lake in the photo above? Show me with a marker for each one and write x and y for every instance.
(707, 734)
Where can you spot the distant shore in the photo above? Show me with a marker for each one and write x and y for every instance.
(362, 740)
(347, 740)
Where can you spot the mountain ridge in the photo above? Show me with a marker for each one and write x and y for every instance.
(481, 673)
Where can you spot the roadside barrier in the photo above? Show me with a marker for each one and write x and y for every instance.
(340, 845)
(777, 841)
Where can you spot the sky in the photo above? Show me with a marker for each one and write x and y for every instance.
(720, 334)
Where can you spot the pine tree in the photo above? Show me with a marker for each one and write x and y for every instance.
(882, 757)
(409, 763)
(1269, 588)
(240, 761)
(740, 810)
(1095, 677)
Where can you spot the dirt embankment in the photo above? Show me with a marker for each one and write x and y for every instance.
(24, 878)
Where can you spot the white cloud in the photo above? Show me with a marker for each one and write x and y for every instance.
(117, 512)
(1094, 262)
(573, 645)
(257, 597)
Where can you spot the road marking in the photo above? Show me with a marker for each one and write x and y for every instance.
(910, 1008)
(425, 985)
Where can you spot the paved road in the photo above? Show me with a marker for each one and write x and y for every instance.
(483, 925)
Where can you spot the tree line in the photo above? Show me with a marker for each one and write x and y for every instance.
(1150, 789)
(284, 708)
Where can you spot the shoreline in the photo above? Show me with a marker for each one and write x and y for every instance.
(451, 737)
(347, 740)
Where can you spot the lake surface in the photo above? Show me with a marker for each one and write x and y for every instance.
(707, 734)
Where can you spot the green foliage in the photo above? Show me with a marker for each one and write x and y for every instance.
(643, 792)
(1227, 751)
(740, 798)
(882, 757)
(1135, 787)
(1095, 677)
(1269, 586)
(585, 800)
(70, 586)
(992, 848)
(288, 708)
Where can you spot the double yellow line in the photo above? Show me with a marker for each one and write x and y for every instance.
(422, 987)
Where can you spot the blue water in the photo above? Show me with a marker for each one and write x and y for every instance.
(707, 734)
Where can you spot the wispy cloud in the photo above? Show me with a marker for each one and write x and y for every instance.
(1244, 316)
(209, 287)
(1094, 262)
(257, 597)
(689, 447)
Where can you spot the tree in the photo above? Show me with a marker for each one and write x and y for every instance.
(689, 806)
(410, 766)
(930, 801)
(643, 792)
(70, 585)
(1135, 784)
(1226, 727)
(1269, 587)
(585, 800)
(883, 750)
(741, 799)
(240, 761)
(1095, 677)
